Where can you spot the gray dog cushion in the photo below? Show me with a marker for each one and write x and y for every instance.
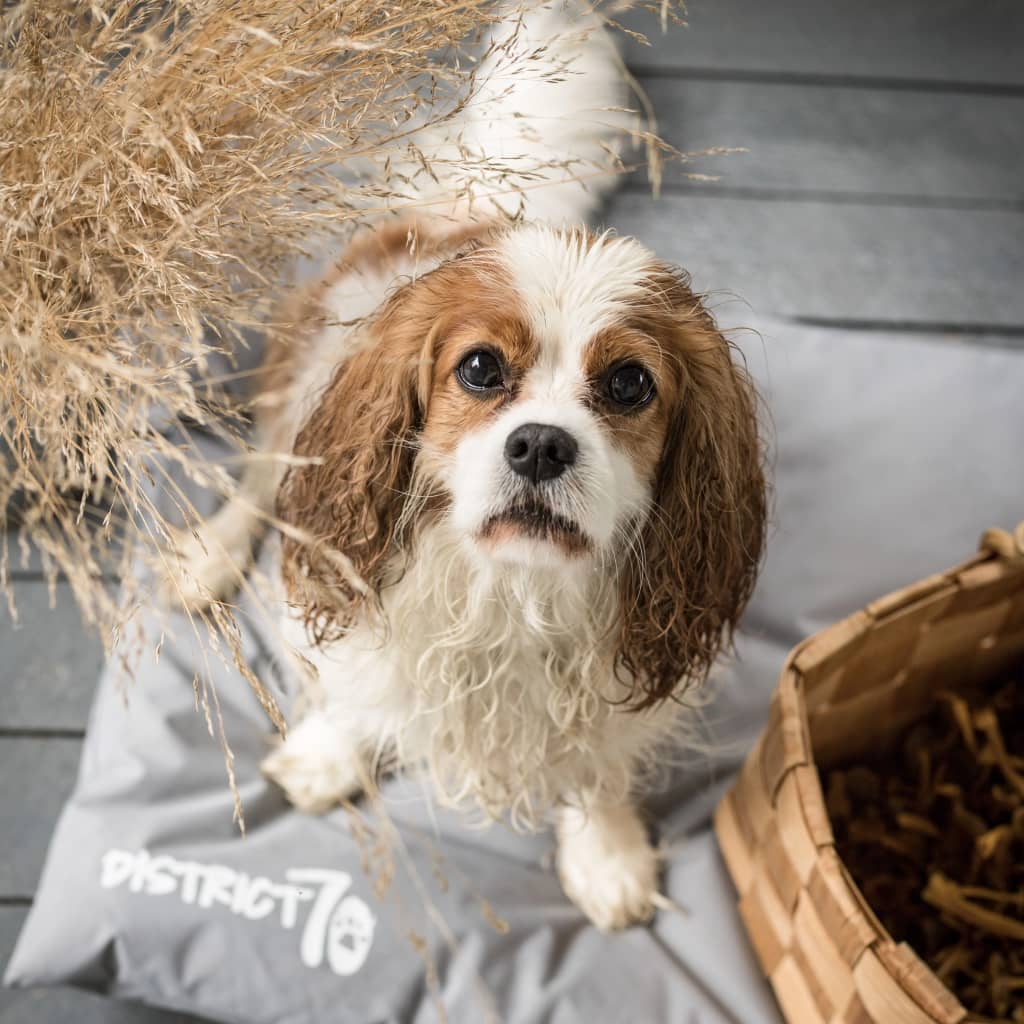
(891, 456)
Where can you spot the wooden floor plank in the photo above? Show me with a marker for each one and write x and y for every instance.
(50, 661)
(943, 41)
(853, 262)
(38, 777)
(65, 1005)
(905, 145)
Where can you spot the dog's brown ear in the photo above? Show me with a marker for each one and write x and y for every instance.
(701, 546)
(344, 509)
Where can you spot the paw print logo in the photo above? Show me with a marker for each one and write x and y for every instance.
(349, 935)
(339, 927)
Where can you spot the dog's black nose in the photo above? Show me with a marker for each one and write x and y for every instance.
(539, 451)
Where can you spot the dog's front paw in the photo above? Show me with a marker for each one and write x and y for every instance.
(609, 868)
(206, 568)
(314, 766)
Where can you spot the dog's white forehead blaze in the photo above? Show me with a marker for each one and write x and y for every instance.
(571, 288)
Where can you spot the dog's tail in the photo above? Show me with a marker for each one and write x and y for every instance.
(541, 132)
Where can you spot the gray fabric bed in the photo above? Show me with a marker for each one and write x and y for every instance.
(891, 456)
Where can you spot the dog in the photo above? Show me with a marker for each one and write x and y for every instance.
(524, 507)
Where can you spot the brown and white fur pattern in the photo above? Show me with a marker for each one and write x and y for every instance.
(519, 633)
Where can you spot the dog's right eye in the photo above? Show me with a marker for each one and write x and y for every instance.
(480, 371)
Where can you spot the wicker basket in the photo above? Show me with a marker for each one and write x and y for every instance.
(856, 684)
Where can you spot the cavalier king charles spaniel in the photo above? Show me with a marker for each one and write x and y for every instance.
(524, 510)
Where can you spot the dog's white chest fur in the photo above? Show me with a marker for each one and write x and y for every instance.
(497, 680)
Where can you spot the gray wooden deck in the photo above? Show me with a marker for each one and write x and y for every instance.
(881, 192)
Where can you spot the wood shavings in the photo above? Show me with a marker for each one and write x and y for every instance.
(933, 833)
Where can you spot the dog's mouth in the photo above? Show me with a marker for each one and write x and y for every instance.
(532, 519)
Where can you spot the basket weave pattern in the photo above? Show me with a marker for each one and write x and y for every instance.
(851, 688)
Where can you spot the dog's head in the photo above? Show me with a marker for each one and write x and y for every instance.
(564, 402)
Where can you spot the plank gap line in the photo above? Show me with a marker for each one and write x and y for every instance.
(802, 195)
(642, 71)
(1004, 336)
(28, 732)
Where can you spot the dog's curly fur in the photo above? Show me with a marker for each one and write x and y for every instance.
(690, 576)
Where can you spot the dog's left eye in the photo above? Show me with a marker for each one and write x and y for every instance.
(480, 371)
(630, 385)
